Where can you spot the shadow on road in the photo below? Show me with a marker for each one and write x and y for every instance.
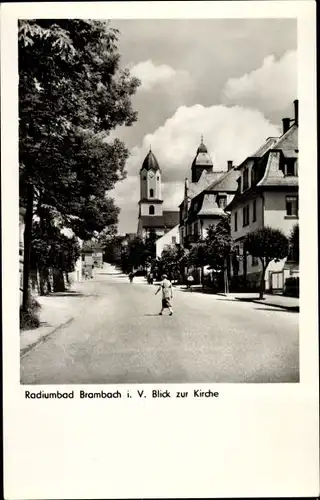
(280, 309)
(155, 314)
(68, 294)
(112, 274)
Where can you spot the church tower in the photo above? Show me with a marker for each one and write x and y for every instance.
(201, 162)
(150, 187)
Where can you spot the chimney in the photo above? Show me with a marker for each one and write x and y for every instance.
(230, 165)
(285, 124)
(296, 111)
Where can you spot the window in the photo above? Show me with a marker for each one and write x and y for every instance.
(290, 167)
(292, 206)
(245, 215)
(253, 175)
(236, 221)
(222, 202)
(158, 177)
(151, 210)
(144, 178)
(254, 211)
(173, 240)
(245, 179)
(151, 193)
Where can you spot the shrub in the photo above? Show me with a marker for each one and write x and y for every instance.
(29, 319)
(291, 287)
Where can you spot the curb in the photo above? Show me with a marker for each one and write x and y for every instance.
(25, 350)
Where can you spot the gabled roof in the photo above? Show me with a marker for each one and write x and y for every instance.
(227, 182)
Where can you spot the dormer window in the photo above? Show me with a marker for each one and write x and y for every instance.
(290, 167)
(222, 201)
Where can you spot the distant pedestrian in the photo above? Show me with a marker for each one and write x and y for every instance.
(167, 295)
(150, 278)
(190, 280)
(131, 275)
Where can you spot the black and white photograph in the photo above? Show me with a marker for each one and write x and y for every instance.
(159, 249)
(159, 201)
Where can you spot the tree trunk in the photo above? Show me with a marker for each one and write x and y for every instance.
(58, 281)
(27, 248)
(262, 282)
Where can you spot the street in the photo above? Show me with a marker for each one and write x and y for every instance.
(117, 336)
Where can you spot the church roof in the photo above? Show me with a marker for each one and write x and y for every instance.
(150, 162)
(169, 219)
(202, 147)
(202, 157)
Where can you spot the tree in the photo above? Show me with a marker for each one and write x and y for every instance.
(52, 250)
(267, 244)
(294, 243)
(71, 95)
(219, 244)
(171, 261)
(198, 257)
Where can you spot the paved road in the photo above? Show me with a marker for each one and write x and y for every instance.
(118, 337)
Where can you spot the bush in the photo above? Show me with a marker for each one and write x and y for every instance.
(29, 319)
(291, 287)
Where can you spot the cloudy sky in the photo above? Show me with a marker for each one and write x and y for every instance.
(230, 80)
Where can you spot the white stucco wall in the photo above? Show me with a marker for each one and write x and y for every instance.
(244, 230)
(144, 208)
(275, 211)
(150, 180)
(166, 240)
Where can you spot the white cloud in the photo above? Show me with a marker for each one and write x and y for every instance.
(269, 88)
(152, 75)
(230, 133)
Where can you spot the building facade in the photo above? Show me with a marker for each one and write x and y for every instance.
(152, 217)
(205, 198)
(267, 195)
(169, 239)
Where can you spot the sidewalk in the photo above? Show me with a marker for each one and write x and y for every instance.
(288, 303)
(57, 309)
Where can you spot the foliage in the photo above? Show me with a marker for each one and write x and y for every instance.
(173, 259)
(133, 254)
(139, 252)
(72, 94)
(218, 243)
(267, 244)
(29, 318)
(53, 249)
(198, 255)
(294, 243)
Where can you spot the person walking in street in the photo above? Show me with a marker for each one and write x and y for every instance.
(167, 295)
(190, 281)
(131, 275)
